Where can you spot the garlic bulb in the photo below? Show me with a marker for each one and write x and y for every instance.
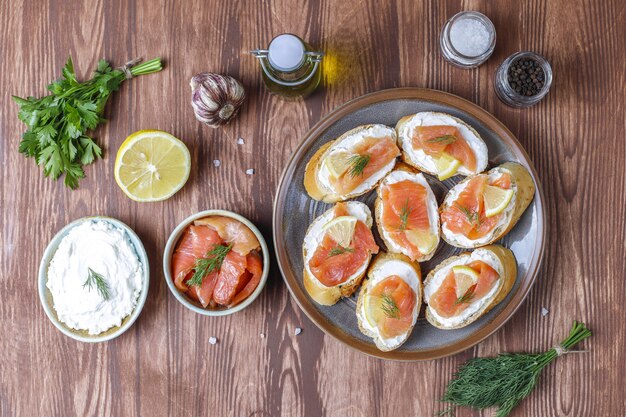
(216, 98)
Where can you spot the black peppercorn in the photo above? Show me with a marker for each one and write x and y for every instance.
(526, 77)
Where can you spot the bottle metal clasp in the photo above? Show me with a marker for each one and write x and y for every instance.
(263, 54)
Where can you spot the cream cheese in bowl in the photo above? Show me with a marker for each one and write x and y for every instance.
(94, 279)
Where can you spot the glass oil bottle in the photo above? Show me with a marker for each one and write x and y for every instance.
(290, 68)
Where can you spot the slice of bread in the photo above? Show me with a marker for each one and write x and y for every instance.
(524, 189)
(319, 292)
(378, 210)
(508, 274)
(322, 192)
(427, 163)
(379, 261)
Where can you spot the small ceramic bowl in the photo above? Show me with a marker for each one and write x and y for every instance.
(171, 245)
(46, 297)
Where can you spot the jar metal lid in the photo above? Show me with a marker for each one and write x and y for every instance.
(286, 52)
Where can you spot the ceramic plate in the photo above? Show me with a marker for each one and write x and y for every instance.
(294, 211)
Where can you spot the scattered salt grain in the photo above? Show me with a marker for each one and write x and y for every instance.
(240, 141)
(544, 311)
(217, 162)
(250, 171)
(470, 37)
(212, 340)
(298, 331)
(262, 335)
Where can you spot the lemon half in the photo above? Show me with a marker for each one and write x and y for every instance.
(152, 165)
(496, 200)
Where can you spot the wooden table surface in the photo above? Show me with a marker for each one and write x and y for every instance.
(164, 364)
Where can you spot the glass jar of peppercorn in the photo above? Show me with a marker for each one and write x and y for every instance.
(523, 79)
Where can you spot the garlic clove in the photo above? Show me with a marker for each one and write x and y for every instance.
(216, 98)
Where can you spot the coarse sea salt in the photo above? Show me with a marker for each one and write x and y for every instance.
(470, 37)
(250, 171)
(240, 141)
(217, 163)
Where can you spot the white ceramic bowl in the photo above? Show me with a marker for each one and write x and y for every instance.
(46, 297)
(171, 245)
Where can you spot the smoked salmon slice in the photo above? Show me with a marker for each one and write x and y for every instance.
(333, 265)
(404, 209)
(232, 232)
(445, 300)
(232, 269)
(467, 214)
(435, 140)
(238, 274)
(255, 269)
(397, 300)
(204, 291)
(488, 276)
(195, 243)
(377, 153)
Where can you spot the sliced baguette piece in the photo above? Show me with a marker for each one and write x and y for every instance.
(426, 163)
(402, 266)
(400, 173)
(319, 292)
(499, 258)
(524, 190)
(320, 191)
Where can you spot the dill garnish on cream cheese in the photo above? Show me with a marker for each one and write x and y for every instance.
(95, 277)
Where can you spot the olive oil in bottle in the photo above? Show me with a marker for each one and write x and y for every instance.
(290, 68)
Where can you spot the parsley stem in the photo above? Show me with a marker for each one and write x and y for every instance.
(148, 67)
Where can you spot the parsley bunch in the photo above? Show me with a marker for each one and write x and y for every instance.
(57, 123)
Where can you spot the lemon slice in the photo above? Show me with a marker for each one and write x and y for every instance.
(338, 162)
(152, 165)
(424, 240)
(373, 311)
(341, 229)
(496, 200)
(465, 278)
(447, 166)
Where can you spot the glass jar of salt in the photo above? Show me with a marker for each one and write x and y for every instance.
(467, 39)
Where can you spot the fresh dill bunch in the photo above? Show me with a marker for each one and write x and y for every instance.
(389, 306)
(404, 215)
(358, 164)
(503, 381)
(211, 263)
(339, 250)
(95, 279)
